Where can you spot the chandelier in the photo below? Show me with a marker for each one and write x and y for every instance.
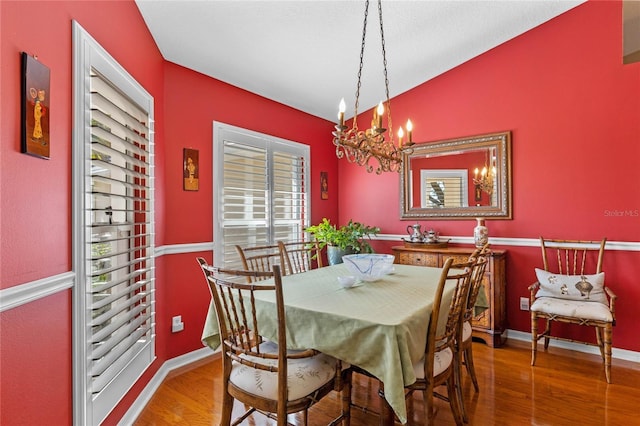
(484, 179)
(360, 146)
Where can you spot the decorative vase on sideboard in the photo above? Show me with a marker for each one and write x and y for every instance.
(480, 233)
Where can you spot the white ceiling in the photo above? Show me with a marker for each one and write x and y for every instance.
(305, 53)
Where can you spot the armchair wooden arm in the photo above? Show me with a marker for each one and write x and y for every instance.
(533, 288)
(612, 302)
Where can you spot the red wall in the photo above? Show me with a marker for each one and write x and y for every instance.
(574, 113)
(36, 352)
(36, 196)
(35, 207)
(193, 103)
(572, 107)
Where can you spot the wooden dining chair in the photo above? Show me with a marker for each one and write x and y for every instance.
(260, 259)
(464, 346)
(265, 376)
(570, 289)
(437, 366)
(300, 256)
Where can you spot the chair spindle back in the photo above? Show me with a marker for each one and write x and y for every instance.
(300, 256)
(235, 300)
(477, 280)
(261, 259)
(573, 257)
(460, 275)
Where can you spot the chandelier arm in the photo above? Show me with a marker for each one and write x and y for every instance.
(486, 179)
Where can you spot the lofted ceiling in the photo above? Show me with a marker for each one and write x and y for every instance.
(305, 53)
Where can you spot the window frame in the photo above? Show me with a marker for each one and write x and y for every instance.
(88, 55)
(271, 145)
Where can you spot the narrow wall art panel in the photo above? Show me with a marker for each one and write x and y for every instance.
(35, 108)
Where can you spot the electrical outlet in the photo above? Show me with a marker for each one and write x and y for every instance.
(177, 324)
(524, 303)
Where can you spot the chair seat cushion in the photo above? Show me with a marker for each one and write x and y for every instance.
(441, 361)
(466, 331)
(571, 287)
(304, 375)
(572, 308)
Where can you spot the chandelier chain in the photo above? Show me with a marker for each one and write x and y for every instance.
(386, 77)
(364, 36)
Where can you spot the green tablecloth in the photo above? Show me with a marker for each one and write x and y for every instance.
(379, 326)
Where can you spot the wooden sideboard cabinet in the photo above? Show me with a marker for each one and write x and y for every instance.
(490, 311)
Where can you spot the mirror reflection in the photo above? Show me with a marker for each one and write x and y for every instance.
(458, 178)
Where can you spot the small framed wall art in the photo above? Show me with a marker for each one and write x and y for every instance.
(324, 186)
(35, 108)
(190, 166)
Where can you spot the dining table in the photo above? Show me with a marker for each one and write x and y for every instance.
(379, 326)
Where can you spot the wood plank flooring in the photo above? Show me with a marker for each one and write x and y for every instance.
(564, 388)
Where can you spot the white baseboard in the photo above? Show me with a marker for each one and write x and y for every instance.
(615, 352)
(145, 396)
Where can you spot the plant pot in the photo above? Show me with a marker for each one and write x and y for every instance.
(334, 254)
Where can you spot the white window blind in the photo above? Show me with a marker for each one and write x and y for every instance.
(444, 192)
(444, 188)
(115, 260)
(261, 191)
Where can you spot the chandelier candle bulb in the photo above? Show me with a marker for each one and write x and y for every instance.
(341, 109)
(409, 130)
(400, 135)
(380, 113)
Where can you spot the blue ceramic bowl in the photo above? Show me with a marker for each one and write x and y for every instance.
(369, 266)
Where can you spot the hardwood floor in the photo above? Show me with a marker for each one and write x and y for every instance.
(564, 388)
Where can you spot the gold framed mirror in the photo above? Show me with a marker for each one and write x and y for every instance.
(458, 178)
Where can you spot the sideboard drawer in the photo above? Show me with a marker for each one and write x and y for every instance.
(457, 258)
(418, 259)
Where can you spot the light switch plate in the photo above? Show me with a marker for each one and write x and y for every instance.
(177, 324)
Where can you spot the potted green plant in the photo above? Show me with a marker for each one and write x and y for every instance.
(350, 238)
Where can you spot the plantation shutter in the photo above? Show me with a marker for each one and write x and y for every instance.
(289, 196)
(444, 192)
(244, 209)
(261, 191)
(117, 236)
(443, 188)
